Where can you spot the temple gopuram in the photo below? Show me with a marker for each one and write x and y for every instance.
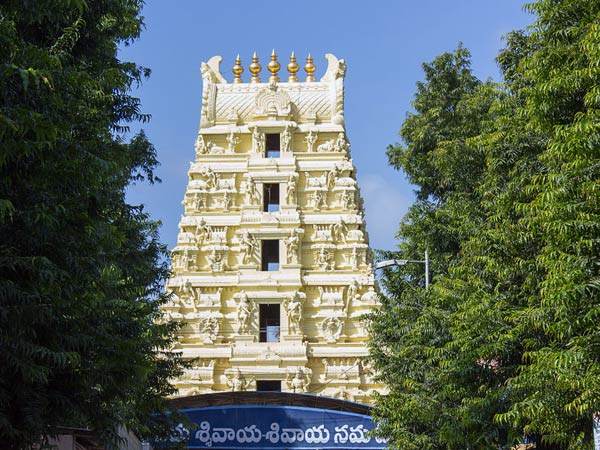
(272, 272)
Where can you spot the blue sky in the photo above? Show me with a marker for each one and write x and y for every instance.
(384, 44)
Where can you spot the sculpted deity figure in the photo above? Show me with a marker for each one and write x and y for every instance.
(292, 246)
(232, 141)
(200, 145)
(348, 200)
(341, 144)
(248, 245)
(286, 139)
(252, 194)
(210, 326)
(310, 139)
(258, 141)
(290, 196)
(299, 381)
(203, 231)
(226, 201)
(332, 176)
(351, 294)
(332, 328)
(327, 146)
(216, 260)
(318, 199)
(236, 382)
(212, 178)
(354, 258)
(339, 231)
(244, 313)
(293, 308)
(186, 259)
(187, 292)
(325, 259)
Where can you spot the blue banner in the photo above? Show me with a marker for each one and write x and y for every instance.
(277, 427)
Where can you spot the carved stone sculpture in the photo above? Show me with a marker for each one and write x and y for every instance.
(232, 141)
(187, 292)
(252, 194)
(258, 142)
(331, 328)
(299, 380)
(290, 195)
(339, 231)
(325, 259)
(292, 247)
(244, 313)
(341, 143)
(293, 308)
(236, 382)
(248, 245)
(210, 326)
(286, 139)
(203, 231)
(348, 200)
(310, 139)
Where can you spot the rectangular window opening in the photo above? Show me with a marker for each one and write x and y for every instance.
(270, 197)
(270, 255)
(273, 146)
(268, 318)
(268, 385)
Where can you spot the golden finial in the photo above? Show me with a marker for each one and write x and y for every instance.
(273, 67)
(292, 68)
(255, 69)
(310, 68)
(237, 70)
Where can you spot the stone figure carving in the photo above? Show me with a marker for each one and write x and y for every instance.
(187, 292)
(212, 178)
(318, 199)
(226, 201)
(331, 328)
(299, 381)
(217, 260)
(252, 194)
(327, 146)
(351, 294)
(354, 258)
(286, 139)
(244, 313)
(293, 308)
(203, 231)
(290, 196)
(310, 139)
(214, 149)
(232, 141)
(258, 141)
(292, 247)
(348, 200)
(341, 143)
(332, 175)
(366, 370)
(200, 145)
(248, 245)
(236, 382)
(187, 260)
(210, 326)
(325, 259)
(339, 231)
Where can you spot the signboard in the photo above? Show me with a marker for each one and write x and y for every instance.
(277, 427)
(596, 420)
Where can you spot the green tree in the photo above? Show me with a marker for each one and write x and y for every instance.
(560, 381)
(413, 329)
(505, 344)
(81, 270)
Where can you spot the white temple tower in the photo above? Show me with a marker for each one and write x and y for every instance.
(272, 269)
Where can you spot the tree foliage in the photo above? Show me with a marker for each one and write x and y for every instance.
(504, 346)
(81, 270)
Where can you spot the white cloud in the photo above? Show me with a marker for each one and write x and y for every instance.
(386, 201)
